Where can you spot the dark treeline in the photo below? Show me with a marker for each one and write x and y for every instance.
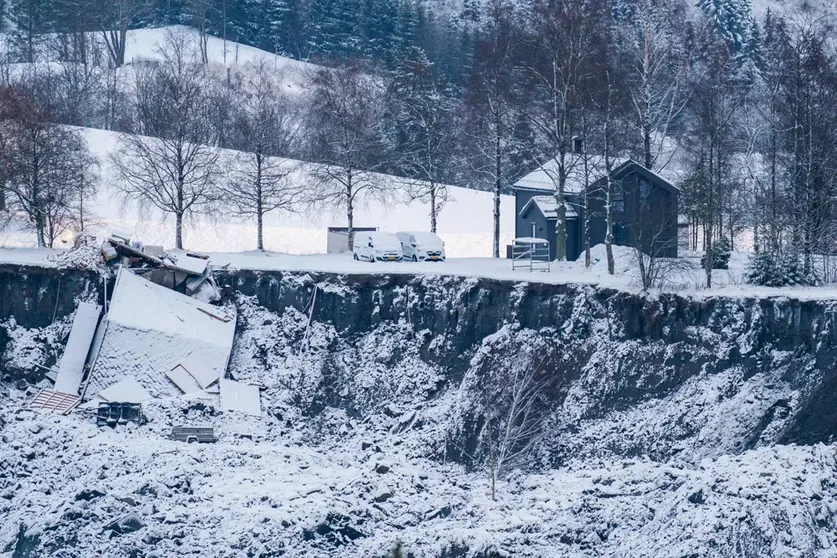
(740, 111)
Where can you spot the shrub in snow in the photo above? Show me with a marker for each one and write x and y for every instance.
(721, 251)
(778, 270)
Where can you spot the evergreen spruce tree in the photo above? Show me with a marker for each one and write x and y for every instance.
(761, 270)
(378, 27)
(733, 21)
(405, 29)
(770, 269)
(334, 29)
(721, 251)
(28, 19)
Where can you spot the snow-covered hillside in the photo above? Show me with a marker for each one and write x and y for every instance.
(465, 223)
(145, 44)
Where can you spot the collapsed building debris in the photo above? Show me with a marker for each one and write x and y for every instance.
(72, 367)
(158, 335)
(155, 335)
(182, 271)
(51, 401)
(112, 414)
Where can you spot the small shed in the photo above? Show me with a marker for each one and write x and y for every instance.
(338, 238)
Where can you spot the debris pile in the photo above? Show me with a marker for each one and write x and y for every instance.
(84, 255)
(179, 270)
(158, 336)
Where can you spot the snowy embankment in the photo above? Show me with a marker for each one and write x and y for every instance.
(688, 279)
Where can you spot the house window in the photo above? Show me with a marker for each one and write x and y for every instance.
(618, 201)
(644, 195)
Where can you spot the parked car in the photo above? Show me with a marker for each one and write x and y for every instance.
(377, 246)
(421, 246)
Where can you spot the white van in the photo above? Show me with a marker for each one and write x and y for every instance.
(377, 246)
(422, 246)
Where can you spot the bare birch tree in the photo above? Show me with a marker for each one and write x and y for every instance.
(490, 129)
(45, 165)
(513, 403)
(170, 163)
(346, 135)
(266, 126)
(657, 79)
(423, 113)
(562, 46)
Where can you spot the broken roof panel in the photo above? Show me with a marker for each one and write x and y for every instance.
(236, 396)
(185, 262)
(71, 371)
(183, 379)
(126, 390)
(152, 329)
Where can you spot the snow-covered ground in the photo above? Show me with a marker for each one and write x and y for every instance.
(261, 489)
(144, 44)
(687, 279)
(266, 487)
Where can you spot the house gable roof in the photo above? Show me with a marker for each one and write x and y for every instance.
(544, 178)
(548, 207)
(631, 166)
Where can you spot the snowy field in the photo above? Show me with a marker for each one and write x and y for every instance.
(465, 223)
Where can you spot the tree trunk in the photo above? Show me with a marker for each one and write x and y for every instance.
(611, 265)
(586, 225)
(40, 229)
(492, 457)
(259, 204)
(178, 230)
(433, 209)
(260, 230)
(350, 210)
(498, 183)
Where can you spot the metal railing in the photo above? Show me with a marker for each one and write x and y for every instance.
(532, 255)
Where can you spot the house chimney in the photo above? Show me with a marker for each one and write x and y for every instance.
(578, 145)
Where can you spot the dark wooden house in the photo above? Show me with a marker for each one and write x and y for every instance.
(645, 208)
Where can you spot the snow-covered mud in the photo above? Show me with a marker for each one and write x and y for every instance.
(652, 427)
